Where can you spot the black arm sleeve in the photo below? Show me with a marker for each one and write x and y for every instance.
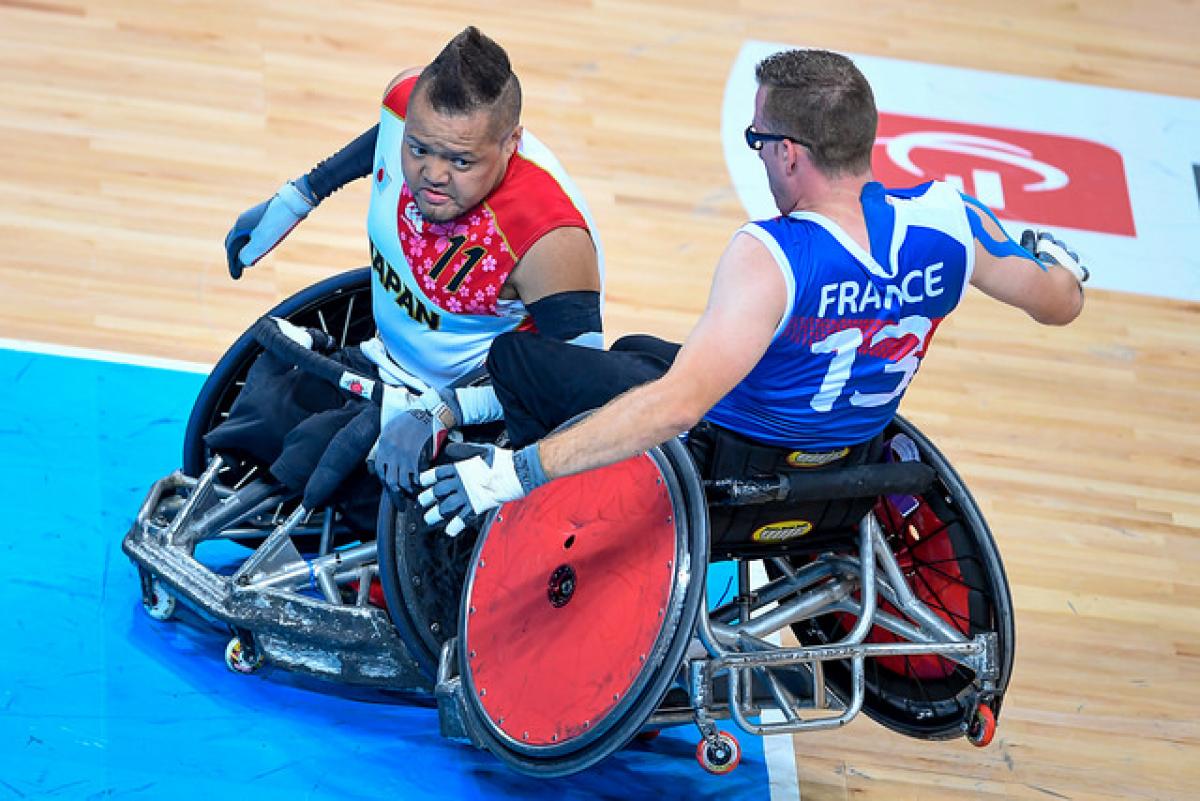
(352, 162)
(566, 315)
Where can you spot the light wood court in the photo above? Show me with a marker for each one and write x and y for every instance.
(134, 132)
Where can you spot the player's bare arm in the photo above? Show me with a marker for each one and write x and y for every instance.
(744, 309)
(1049, 293)
(564, 260)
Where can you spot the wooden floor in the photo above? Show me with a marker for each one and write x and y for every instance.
(135, 131)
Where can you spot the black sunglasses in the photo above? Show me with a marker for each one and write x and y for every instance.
(756, 140)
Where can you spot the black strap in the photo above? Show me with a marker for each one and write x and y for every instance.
(352, 162)
(566, 315)
(861, 481)
(266, 332)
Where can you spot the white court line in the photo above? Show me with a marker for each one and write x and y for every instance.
(104, 356)
(780, 752)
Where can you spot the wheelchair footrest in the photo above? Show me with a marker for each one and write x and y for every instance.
(454, 721)
(354, 644)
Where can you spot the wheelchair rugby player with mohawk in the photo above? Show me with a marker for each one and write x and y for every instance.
(475, 230)
(816, 323)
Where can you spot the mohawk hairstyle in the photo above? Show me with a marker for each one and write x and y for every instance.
(473, 72)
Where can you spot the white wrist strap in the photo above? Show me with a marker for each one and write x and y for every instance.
(479, 405)
(295, 200)
(1062, 257)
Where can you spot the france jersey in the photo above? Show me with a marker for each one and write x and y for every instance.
(858, 323)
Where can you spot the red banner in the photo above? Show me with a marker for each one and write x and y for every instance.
(1021, 175)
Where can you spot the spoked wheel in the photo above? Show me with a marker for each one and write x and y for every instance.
(421, 569)
(340, 306)
(579, 605)
(947, 554)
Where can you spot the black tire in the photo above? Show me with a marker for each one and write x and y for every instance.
(930, 697)
(422, 571)
(340, 305)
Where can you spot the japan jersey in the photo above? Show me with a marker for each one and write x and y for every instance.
(857, 323)
(435, 286)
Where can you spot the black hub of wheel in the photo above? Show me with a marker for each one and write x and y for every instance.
(719, 754)
(561, 586)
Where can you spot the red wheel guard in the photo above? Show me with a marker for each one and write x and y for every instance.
(925, 553)
(567, 600)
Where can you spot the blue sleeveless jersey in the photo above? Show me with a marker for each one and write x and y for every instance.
(858, 323)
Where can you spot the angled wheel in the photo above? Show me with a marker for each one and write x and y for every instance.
(946, 552)
(579, 605)
(340, 306)
(422, 570)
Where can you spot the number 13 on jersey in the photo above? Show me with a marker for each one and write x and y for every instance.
(845, 345)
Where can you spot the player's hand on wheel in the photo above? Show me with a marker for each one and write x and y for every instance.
(264, 226)
(1050, 250)
(481, 478)
(409, 442)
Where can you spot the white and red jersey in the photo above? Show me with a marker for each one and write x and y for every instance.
(436, 286)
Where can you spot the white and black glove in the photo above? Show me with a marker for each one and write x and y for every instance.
(1049, 250)
(259, 229)
(481, 478)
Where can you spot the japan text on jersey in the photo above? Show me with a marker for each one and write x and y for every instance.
(436, 288)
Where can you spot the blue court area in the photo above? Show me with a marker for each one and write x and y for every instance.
(99, 701)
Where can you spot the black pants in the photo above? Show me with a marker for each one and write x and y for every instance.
(313, 436)
(543, 382)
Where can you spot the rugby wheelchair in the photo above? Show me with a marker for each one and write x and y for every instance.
(566, 624)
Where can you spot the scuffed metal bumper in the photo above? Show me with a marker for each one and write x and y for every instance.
(352, 644)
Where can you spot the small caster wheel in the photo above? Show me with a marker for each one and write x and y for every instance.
(982, 727)
(236, 659)
(721, 756)
(647, 735)
(161, 604)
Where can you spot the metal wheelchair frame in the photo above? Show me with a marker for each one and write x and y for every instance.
(315, 615)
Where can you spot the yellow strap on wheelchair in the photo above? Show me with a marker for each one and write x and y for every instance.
(807, 459)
